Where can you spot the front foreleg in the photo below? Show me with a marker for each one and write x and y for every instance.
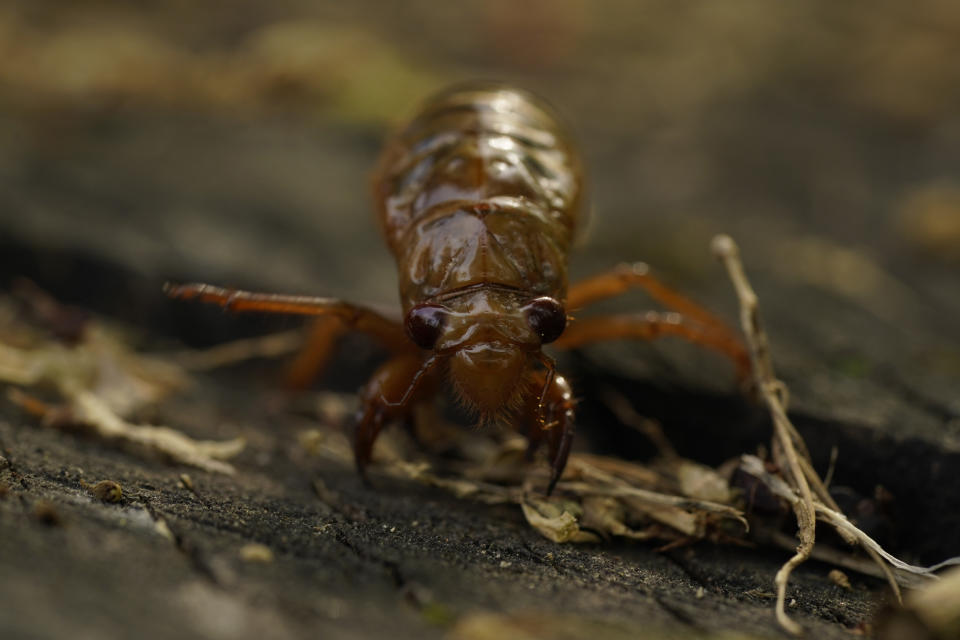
(551, 418)
(390, 395)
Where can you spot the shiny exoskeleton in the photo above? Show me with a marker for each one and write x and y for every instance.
(478, 197)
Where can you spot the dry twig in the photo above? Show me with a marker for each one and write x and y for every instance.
(774, 394)
(272, 345)
(801, 486)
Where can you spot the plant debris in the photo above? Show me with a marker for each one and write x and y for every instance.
(797, 482)
(99, 380)
(597, 497)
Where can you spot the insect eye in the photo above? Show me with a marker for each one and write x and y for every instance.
(547, 318)
(424, 324)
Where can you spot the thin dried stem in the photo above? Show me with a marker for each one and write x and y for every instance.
(773, 393)
(804, 489)
(627, 415)
(755, 467)
(229, 353)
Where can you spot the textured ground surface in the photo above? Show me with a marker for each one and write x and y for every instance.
(177, 143)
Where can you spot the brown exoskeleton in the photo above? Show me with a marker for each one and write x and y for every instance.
(478, 198)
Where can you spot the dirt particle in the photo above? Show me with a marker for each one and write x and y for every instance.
(163, 530)
(47, 514)
(839, 578)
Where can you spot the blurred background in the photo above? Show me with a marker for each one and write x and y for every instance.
(232, 142)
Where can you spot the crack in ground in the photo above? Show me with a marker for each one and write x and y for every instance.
(678, 614)
(695, 576)
(197, 558)
(392, 568)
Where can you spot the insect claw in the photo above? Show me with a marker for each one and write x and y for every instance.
(554, 478)
(560, 440)
(531, 451)
(364, 476)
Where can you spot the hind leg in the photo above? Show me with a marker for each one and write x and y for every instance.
(333, 318)
(688, 320)
(651, 325)
(315, 353)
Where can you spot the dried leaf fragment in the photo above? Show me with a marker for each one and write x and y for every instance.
(554, 521)
(701, 482)
(203, 454)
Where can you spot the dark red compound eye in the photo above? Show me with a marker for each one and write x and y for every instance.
(547, 318)
(424, 324)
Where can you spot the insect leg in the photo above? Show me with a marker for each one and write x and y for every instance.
(691, 322)
(313, 356)
(624, 277)
(357, 317)
(653, 324)
(389, 396)
(551, 418)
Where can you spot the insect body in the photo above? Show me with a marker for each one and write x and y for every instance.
(478, 198)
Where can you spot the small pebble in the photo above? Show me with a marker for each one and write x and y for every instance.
(163, 529)
(255, 552)
(187, 482)
(107, 490)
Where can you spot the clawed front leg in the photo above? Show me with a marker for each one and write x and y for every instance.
(389, 396)
(553, 421)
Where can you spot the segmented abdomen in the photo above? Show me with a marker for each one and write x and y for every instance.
(482, 186)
